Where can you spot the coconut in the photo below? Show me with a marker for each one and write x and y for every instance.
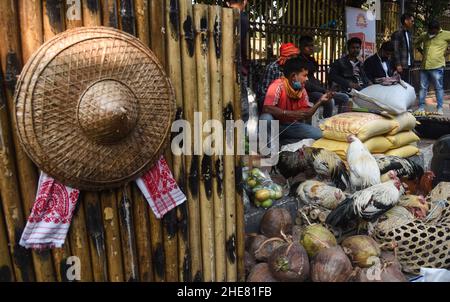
(256, 243)
(380, 272)
(249, 237)
(275, 221)
(249, 263)
(266, 248)
(316, 237)
(261, 273)
(362, 250)
(331, 265)
(289, 263)
(389, 258)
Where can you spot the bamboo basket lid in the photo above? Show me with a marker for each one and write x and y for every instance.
(94, 108)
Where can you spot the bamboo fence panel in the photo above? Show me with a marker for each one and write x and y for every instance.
(114, 233)
(203, 101)
(173, 49)
(191, 161)
(228, 112)
(215, 63)
(10, 50)
(238, 142)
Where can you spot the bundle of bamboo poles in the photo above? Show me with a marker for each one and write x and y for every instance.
(114, 233)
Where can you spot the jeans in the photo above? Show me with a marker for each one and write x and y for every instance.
(290, 133)
(436, 76)
(339, 99)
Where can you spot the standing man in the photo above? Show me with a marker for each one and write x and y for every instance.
(347, 73)
(241, 4)
(313, 85)
(379, 65)
(435, 43)
(404, 47)
(274, 70)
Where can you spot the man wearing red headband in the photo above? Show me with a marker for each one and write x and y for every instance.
(274, 70)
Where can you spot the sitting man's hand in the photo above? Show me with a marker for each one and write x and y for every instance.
(355, 86)
(327, 96)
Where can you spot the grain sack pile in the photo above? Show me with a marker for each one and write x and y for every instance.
(379, 134)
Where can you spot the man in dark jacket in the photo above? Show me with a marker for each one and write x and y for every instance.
(404, 47)
(347, 73)
(380, 65)
(314, 87)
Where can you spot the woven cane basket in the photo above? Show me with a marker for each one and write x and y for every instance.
(94, 108)
(419, 243)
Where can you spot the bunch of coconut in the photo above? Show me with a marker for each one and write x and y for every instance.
(287, 253)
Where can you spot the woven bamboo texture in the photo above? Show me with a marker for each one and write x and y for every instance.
(94, 108)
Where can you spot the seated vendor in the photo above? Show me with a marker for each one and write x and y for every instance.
(313, 86)
(379, 65)
(347, 73)
(287, 101)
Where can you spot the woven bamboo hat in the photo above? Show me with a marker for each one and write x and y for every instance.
(94, 108)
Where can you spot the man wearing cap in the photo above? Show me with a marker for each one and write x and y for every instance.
(313, 86)
(435, 43)
(274, 70)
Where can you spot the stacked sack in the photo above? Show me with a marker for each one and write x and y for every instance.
(379, 134)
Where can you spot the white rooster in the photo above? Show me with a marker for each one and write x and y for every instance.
(319, 193)
(363, 167)
(369, 203)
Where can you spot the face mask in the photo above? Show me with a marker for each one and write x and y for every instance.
(296, 85)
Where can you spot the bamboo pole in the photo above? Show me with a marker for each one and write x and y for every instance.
(77, 234)
(127, 18)
(228, 60)
(27, 178)
(9, 190)
(167, 243)
(31, 30)
(129, 253)
(60, 257)
(215, 62)
(112, 235)
(157, 24)
(53, 18)
(79, 240)
(141, 8)
(6, 268)
(204, 107)
(92, 204)
(158, 257)
(174, 71)
(73, 14)
(142, 230)
(191, 161)
(96, 236)
(91, 13)
(109, 13)
(239, 141)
